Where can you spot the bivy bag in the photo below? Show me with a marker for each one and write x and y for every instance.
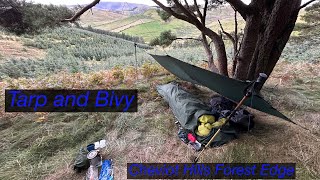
(187, 109)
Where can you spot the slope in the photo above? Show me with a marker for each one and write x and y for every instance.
(43, 145)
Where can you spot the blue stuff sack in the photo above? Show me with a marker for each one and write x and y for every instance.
(106, 172)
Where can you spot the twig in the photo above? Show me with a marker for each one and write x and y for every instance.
(187, 39)
(306, 4)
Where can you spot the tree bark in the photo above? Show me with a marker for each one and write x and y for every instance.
(192, 19)
(250, 38)
(235, 44)
(282, 40)
(277, 33)
(220, 49)
(266, 33)
(211, 65)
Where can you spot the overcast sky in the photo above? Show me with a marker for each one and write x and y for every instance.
(75, 2)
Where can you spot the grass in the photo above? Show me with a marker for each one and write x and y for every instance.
(37, 148)
(48, 146)
(153, 29)
(97, 17)
(40, 143)
(12, 46)
(122, 22)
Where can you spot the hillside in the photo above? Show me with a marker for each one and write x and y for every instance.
(126, 7)
(149, 25)
(78, 46)
(146, 25)
(98, 17)
(43, 145)
(119, 7)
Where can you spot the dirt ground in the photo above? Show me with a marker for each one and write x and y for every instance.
(13, 48)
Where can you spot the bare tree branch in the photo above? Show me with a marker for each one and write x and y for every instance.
(208, 50)
(205, 12)
(187, 39)
(226, 33)
(188, 7)
(192, 19)
(236, 29)
(170, 11)
(187, 4)
(235, 45)
(190, 15)
(241, 7)
(306, 4)
(198, 10)
(81, 11)
(182, 8)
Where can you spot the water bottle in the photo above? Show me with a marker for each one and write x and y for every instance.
(93, 173)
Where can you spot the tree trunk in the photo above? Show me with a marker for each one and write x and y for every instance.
(211, 65)
(266, 34)
(249, 42)
(220, 49)
(235, 44)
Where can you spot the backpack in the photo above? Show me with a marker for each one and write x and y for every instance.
(242, 120)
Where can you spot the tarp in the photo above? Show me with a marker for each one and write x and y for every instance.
(227, 87)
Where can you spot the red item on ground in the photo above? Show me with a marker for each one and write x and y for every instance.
(192, 138)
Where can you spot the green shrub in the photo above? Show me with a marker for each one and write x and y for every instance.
(165, 39)
(73, 50)
(163, 15)
(114, 34)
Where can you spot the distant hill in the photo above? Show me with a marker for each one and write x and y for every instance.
(149, 25)
(98, 17)
(122, 7)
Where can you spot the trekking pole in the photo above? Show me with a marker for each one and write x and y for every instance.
(135, 55)
(248, 93)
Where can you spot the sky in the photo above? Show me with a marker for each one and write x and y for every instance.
(75, 2)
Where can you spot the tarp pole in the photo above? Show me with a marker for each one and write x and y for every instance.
(135, 54)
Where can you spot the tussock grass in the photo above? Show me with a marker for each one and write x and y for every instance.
(45, 150)
(42, 146)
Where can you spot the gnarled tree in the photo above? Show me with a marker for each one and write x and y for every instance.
(19, 16)
(269, 24)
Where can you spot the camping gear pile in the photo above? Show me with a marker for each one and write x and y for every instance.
(90, 159)
(198, 122)
(245, 92)
(201, 120)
